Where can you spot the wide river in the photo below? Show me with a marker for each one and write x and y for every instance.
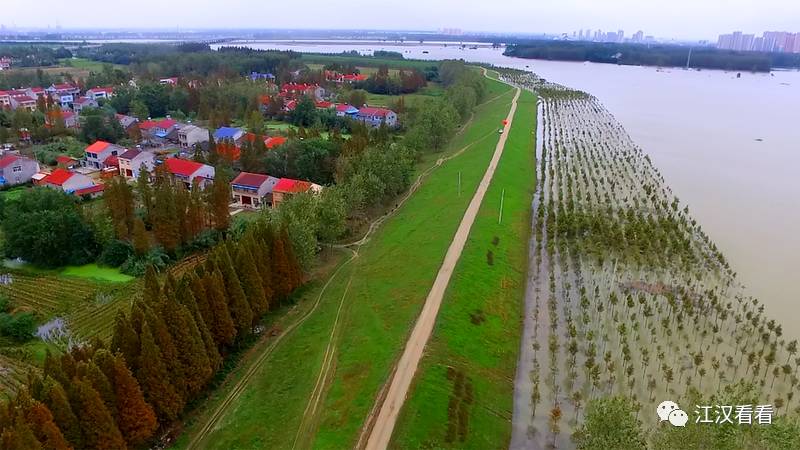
(728, 146)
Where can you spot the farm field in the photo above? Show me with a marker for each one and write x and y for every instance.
(84, 301)
(471, 357)
(375, 310)
(95, 272)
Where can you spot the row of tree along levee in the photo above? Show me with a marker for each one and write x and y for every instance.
(162, 356)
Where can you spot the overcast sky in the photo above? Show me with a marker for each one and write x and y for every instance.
(692, 19)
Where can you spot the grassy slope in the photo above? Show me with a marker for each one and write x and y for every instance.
(486, 352)
(391, 279)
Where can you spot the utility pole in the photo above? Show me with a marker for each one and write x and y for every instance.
(502, 197)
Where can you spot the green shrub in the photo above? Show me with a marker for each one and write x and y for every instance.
(19, 326)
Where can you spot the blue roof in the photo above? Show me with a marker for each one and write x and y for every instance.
(226, 133)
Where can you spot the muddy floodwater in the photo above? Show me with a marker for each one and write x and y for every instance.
(727, 144)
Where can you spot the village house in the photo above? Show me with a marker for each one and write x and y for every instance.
(97, 93)
(23, 101)
(190, 135)
(253, 190)
(70, 119)
(336, 77)
(36, 92)
(189, 172)
(93, 191)
(67, 181)
(132, 161)
(171, 81)
(163, 127)
(229, 133)
(67, 162)
(324, 104)
(83, 102)
(297, 90)
(376, 116)
(5, 63)
(16, 169)
(98, 155)
(345, 110)
(5, 99)
(255, 76)
(287, 187)
(64, 94)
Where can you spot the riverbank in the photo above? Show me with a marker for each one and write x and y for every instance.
(365, 314)
(471, 358)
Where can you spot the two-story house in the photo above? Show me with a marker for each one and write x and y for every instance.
(23, 101)
(163, 127)
(376, 116)
(83, 102)
(5, 99)
(190, 135)
(253, 190)
(132, 161)
(16, 169)
(97, 154)
(189, 172)
(97, 93)
(64, 94)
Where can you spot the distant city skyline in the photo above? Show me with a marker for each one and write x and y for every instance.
(678, 19)
(769, 41)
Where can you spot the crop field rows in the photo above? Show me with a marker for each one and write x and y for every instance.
(629, 296)
(88, 309)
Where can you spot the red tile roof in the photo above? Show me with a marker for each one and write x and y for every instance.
(107, 90)
(250, 179)
(58, 177)
(290, 186)
(147, 124)
(324, 104)
(64, 87)
(370, 111)
(64, 159)
(90, 190)
(183, 167)
(97, 147)
(273, 142)
(7, 160)
(342, 107)
(165, 124)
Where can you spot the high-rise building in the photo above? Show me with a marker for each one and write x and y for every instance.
(638, 36)
(737, 40)
(747, 42)
(620, 36)
(758, 44)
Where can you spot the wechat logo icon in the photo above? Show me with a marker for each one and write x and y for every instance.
(670, 411)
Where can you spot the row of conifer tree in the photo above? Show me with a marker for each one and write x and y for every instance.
(162, 356)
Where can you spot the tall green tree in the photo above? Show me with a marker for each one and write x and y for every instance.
(98, 427)
(154, 379)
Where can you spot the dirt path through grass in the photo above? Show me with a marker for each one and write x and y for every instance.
(380, 432)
